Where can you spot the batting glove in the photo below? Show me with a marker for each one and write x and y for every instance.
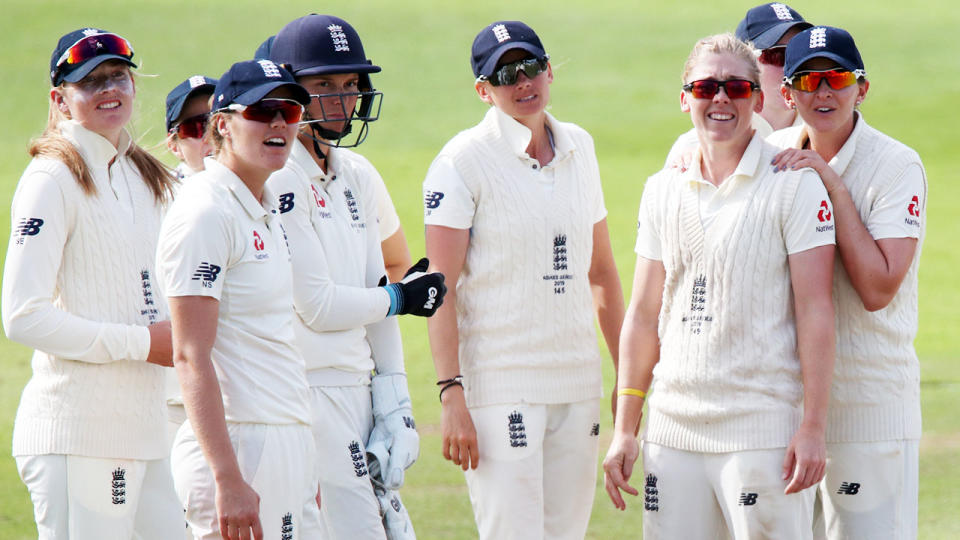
(418, 293)
(394, 441)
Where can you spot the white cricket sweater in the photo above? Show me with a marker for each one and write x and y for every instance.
(876, 384)
(728, 378)
(525, 311)
(80, 290)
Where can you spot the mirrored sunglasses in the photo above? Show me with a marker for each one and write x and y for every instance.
(191, 128)
(266, 110)
(708, 88)
(507, 74)
(774, 56)
(95, 45)
(838, 79)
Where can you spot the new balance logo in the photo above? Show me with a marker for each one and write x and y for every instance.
(595, 430)
(27, 227)
(286, 202)
(849, 488)
(651, 496)
(431, 199)
(359, 463)
(119, 486)
(913, 208)
(286, 527)
(409, 422)
(206, 273)
(395, 503)
(748, 499)
(432, 298)
(518, 433)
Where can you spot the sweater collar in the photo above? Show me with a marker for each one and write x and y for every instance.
(226, 178)
(517, 136)
(94, 148)
(748, 166)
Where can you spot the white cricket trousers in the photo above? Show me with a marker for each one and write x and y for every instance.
(869, 492)
(85, 498)
(697, 495)
(537, 472)
(275, 460)
(349, 507)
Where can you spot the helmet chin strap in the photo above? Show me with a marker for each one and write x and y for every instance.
(320, 135)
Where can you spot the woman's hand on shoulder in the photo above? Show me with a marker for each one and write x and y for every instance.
(797, 158)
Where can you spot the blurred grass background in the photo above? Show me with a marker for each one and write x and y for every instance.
(617, 73)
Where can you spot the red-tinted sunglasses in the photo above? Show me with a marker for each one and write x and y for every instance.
(191, 128)
(95, 45)
(266, 110)
(838, 79)
(774, 56)
(708, 88)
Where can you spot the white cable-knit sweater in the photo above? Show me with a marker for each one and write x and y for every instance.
(728, 378)
(79, 288)
(875, 394)
(524, 306)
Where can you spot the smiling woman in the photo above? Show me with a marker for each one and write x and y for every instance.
(732, 260)
(89, 205)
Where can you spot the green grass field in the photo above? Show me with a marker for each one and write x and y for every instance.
(616, 66)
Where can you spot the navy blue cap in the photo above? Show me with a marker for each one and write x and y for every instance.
(764, 25)
(496, 39)
(100, 46)
(320, 44)
(263, 51)
(247, 82)
(198, 84)
(823, 42)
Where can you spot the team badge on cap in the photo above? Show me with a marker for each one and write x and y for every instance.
(339, 37)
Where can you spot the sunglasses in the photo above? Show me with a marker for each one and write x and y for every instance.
(95, 45)
(838, 79)
(266, 110)
(191, 128)
(774, 56)
(708, 88)
(507, 74)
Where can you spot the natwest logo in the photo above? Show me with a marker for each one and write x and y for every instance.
(824, 213)
(257, 241)
(317, 198)
(914, 207)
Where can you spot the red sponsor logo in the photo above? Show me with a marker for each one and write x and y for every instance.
(257, 241)
(317, 198)
(824, 213)
(914, 207)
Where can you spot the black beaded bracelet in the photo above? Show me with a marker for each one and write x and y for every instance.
(457, 379)
(449, 385)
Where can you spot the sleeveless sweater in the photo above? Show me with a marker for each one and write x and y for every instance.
(875, 394)
(728, 378)
(524, 305)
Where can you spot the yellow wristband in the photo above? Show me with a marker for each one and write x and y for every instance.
(631, 392)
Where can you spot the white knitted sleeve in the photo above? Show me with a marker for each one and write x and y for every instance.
(40, 225)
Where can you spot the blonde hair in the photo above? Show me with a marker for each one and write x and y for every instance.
(53, 145)
(213, 134)
(723, 44)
